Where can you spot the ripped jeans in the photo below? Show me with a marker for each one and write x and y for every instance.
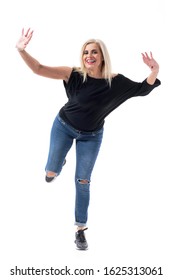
(87, 149)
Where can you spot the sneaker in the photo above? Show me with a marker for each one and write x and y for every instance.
(81, 243)
(50, 179)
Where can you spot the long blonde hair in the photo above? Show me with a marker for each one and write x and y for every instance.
(106, 66)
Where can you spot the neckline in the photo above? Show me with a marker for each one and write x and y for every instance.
(114, 76)
(94, 77)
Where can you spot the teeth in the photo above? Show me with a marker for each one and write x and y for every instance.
(90, 60)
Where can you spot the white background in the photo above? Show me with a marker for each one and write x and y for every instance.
(130, 214)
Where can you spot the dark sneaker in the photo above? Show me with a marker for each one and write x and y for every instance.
(81, 243)
(50, 179)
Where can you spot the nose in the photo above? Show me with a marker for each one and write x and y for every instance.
(89, 54)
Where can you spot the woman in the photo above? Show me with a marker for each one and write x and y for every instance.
(93, 92)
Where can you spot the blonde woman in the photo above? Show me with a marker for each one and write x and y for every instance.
(93, 92)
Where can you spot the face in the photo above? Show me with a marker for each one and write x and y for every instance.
(92, 57)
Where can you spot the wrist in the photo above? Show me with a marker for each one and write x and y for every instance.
(20, 49)
(155, 71)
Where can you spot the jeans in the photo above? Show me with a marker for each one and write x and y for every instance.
(87, 149)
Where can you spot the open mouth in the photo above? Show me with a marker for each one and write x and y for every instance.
(90, 61)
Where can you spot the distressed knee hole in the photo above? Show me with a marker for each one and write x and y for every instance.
(83, 181)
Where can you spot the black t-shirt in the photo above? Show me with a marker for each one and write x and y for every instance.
(91, 101)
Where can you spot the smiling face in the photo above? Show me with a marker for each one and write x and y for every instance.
(93, 58)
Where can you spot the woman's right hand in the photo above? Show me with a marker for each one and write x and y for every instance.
(24, 39)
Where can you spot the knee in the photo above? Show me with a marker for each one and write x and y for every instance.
(83, 185)
(83, 181)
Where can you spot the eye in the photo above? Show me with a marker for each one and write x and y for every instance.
(94, 52)
(85, 52)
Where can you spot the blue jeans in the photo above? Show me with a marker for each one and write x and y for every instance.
(87, 149)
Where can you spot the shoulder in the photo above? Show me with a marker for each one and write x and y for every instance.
(74, 77)
(67, 73)
(75, 72)
(117, 77)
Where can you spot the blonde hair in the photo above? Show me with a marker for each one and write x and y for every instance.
(106, 66)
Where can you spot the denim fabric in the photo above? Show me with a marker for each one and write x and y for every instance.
(87, 149)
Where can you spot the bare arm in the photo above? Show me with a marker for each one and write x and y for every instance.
(153, 65)
(61, 72)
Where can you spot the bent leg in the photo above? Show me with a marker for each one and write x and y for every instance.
(60, 144)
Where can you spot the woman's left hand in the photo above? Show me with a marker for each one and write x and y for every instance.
(150, 61)
(24, 39)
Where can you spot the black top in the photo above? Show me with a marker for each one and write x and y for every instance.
(91, 101)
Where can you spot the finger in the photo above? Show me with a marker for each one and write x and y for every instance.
(147, 55)
(30, 35)
(29, 39)
(151, 55)
(27, 32)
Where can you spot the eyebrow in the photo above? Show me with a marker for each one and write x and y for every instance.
(91, 50)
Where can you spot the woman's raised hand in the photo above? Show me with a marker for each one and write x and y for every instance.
(150, 61)
(24, 39)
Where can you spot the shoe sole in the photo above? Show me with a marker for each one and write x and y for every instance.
(80, 249)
